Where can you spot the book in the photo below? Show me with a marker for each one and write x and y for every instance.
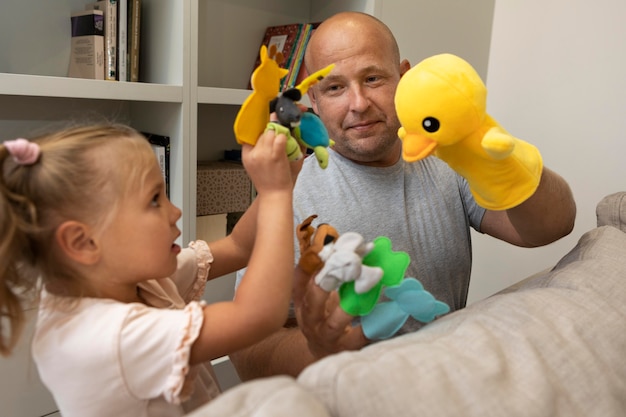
(109, 7)
(302, 72)
(161, 147)
(122, 40)
(87, 45)
(286, 38)
(298, 56)
(134, 34)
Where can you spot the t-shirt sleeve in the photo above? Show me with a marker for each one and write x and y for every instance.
(154, 349)
(475, 212)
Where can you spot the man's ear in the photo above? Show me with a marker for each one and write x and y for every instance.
(76, 241)
(311, 94)
(405, 65)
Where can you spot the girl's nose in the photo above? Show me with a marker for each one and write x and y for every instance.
(175, 213)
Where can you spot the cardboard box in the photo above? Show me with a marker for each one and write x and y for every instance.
(223, 187)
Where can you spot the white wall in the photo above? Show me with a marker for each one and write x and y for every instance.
(557, 78)
(425, 28)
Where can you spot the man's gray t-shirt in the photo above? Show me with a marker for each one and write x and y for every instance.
(424, 208)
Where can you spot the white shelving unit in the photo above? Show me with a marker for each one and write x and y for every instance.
(196, 59)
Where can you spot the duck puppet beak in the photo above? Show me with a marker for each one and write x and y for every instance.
(416, 147)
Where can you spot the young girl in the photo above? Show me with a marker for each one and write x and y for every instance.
(120, 330)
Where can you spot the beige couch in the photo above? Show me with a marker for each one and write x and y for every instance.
(551, 345)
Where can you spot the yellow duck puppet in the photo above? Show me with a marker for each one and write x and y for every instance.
(441, 105)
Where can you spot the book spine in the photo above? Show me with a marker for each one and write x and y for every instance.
(302, 73)
(290, 56)
(159, 152)
(87, 45)
(134, 35)
(110, 37)
(296, 63)
(109, 7)
(122, 40)
(161, 146)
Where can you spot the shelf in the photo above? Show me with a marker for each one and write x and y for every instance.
(47, 86)
(216, 95)
(229, 96)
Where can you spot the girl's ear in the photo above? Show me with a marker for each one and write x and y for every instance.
(76, 241)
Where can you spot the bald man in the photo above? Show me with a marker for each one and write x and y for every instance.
(425, 208)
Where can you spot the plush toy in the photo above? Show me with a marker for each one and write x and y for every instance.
(407, 299)
(360, 271)
(441, 105)
(311, 242)
(313, 134)
(300, 128)
(393, 264)
(343, 262)
(254, 115)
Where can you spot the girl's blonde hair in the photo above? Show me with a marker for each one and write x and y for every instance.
(81, 174)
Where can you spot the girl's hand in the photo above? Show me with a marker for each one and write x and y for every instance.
(267, 163)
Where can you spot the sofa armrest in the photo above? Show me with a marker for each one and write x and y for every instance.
(611, 211)
(552, 346)
(278, 396)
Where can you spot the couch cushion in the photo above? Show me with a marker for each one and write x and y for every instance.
(270, 397)
(611, 211)
(555, 345)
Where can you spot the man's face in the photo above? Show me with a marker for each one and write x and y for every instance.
(356, 100)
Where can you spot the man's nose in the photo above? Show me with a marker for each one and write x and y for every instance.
(359, 101)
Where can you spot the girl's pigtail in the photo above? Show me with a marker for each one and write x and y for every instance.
(14, 287)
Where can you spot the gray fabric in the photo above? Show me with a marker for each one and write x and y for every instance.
(553, 347)
(611, 211)
(424, 207)
(271, 397)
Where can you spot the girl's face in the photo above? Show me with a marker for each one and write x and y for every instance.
(138, 243)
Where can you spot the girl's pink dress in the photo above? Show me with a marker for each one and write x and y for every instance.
(100, 357)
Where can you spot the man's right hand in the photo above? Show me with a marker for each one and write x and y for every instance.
(323, 328)
(327, 328)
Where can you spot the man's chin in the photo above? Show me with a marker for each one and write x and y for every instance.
(374, 152)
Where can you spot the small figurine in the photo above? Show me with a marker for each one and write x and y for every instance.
(360, 272)
(301, 128)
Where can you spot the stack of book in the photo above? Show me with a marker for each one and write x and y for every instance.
(291, 40)
(301, 73)
(121, 37)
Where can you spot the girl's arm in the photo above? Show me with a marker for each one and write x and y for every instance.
(262, 239)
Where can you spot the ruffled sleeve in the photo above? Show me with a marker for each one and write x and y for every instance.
(179, 385)
(155, 347)
(194, 263)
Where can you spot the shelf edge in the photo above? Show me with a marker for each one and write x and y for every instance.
(46, 86)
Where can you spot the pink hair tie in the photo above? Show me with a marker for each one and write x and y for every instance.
(23, 151)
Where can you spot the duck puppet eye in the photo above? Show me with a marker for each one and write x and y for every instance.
(430, 124)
